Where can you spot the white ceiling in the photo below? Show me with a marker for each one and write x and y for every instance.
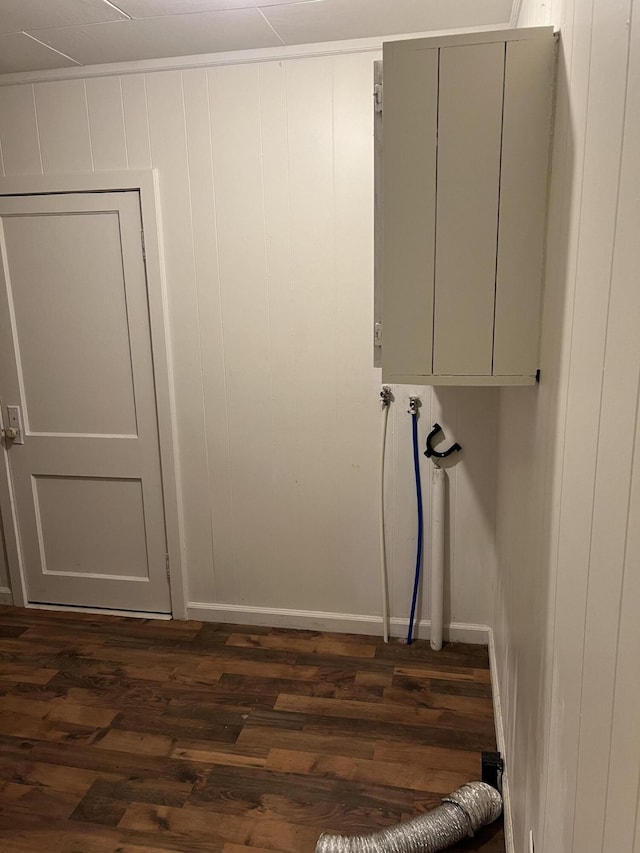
(44, 34)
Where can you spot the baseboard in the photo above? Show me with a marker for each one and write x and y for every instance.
(502, 745)
(341, 623)
(5, 595)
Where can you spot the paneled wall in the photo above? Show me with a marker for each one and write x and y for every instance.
(267, 190)
(566, 626)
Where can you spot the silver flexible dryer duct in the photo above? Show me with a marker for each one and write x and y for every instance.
(459, 816)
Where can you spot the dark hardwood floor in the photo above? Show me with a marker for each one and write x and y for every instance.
(137, 735)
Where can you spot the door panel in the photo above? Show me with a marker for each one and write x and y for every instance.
(75, 354)
(76, 518)
(75, 321)
(469, 138)
(410, 120)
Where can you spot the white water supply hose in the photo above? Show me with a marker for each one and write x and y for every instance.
(438, 490)
(385, 398)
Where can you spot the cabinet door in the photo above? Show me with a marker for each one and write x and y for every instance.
(525, 153)
(468, 181)
(409, 165)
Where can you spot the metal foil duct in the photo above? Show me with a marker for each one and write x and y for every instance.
(460, 815)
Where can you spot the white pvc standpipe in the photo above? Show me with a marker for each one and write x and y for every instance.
(383, 550)
(438, 480)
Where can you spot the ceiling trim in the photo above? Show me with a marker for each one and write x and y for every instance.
(270, 25)
(49, 47)
(117, 9)
(237, 57)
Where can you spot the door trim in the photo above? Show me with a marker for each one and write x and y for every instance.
(145, 182)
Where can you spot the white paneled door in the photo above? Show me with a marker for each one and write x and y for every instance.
(75, 358)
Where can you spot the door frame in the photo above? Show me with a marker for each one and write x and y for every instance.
(146, 183)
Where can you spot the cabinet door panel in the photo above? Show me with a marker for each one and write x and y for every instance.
(409, 165)
(525, 154)
(468, 180)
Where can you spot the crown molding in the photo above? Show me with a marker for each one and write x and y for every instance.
(238, 57)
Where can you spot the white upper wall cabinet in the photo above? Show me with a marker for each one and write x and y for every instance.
(466, 129)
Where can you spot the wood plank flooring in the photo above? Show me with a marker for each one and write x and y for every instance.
(135, 735)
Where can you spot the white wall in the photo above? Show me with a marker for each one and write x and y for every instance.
(266, 182)
(537, 13)
(567, 634)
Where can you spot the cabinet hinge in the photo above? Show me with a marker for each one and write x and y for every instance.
(167, 566)
(377, 97)
(144, 248)
(377, 334)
